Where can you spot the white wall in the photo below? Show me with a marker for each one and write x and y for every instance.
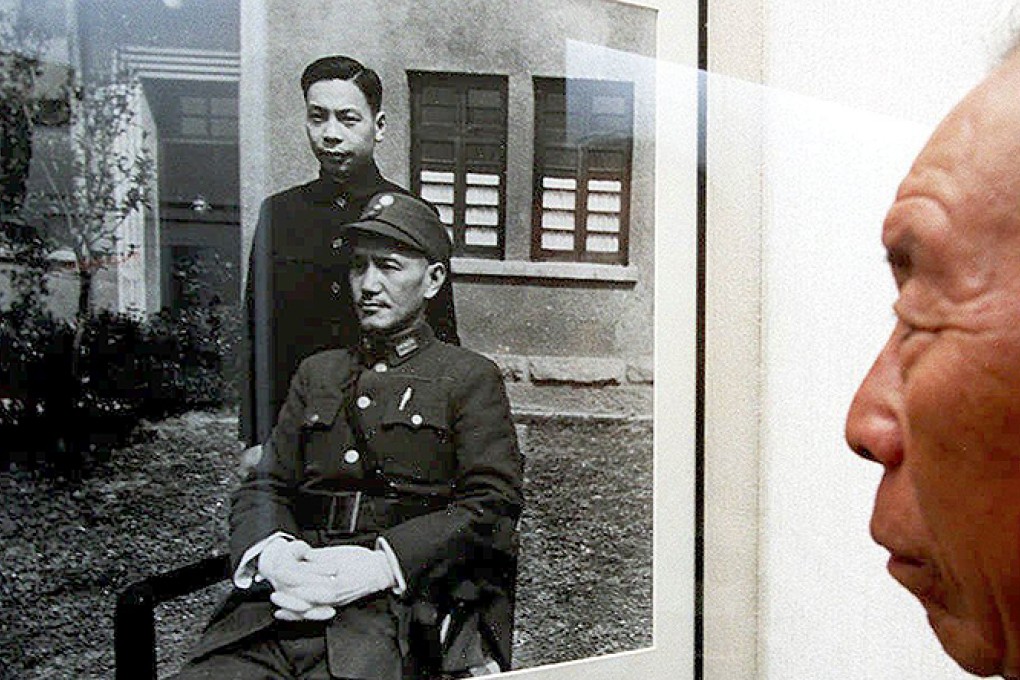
(828, 609)
(815, 112)
(851, 92)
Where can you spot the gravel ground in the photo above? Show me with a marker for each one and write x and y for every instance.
(584, 586)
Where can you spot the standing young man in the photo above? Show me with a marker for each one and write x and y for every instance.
(297, 298)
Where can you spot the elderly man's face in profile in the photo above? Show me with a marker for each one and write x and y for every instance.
(940, 408)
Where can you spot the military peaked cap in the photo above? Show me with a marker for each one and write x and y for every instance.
(408, 220)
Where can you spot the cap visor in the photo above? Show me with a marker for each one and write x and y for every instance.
(384, 229)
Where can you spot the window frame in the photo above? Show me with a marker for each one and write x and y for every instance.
(544, 86)
(422, 132)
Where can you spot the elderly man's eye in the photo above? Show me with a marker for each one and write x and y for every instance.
(908, 329)
(908, 320)
(900, 263)
(914, 339)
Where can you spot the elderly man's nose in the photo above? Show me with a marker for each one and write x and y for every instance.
(872, 426)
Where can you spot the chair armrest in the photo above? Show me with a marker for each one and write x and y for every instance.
(134, 636)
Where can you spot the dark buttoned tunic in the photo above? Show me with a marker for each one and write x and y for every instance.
(412, 442)
(297, 298)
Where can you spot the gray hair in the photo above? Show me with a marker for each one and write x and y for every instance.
(1008, 35)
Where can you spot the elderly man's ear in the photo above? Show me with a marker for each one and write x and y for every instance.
(435, 277)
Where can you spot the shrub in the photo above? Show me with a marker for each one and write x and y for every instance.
(61, 414)
(189, 358)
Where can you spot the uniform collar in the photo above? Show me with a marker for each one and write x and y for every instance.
(392, 350)
(326, 190)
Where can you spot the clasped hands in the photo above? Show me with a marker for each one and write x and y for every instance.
(310, 583)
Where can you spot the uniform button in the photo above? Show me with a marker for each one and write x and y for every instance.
(380, 367)
(416, 419)
(351, 456)
(313, 418)
(335, 287)
(364, 401)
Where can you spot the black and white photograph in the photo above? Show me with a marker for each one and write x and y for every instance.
(350, 339)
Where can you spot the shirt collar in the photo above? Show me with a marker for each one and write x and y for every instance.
(326, 190)
(393, 350)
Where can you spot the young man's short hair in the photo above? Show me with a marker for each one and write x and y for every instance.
(339, 67)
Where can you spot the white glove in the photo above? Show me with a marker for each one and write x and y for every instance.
(282, 563)
(357, 573)
(293, 608)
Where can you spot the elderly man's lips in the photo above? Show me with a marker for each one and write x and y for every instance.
(916, 575)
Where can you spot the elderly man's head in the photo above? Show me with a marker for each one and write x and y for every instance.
(940, 408)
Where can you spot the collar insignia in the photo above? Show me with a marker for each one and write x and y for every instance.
(406, 346)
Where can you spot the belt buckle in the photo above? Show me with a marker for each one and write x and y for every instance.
(344, 509)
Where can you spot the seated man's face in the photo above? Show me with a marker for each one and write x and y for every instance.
(391, 284)
(940, 409)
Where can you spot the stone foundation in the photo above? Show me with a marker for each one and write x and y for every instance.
(578, 387)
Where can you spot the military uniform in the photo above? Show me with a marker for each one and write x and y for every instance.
(297, 299)
(411, 441)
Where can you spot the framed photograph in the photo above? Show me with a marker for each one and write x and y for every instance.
(562, 148)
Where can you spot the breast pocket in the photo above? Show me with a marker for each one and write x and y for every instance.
(326, 439)
(414, 439)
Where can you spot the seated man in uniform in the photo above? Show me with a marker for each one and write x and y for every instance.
(387, 495)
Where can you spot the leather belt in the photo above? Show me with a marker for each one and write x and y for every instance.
(346, 513)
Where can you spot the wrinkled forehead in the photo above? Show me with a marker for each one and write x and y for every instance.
(967, 177)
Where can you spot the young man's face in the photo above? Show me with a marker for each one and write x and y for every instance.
(391, 284)
(342, 129)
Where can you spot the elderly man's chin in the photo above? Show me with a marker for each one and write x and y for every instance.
(969, 645)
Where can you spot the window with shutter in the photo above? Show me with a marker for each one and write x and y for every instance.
(458, 155)
(583, 147)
